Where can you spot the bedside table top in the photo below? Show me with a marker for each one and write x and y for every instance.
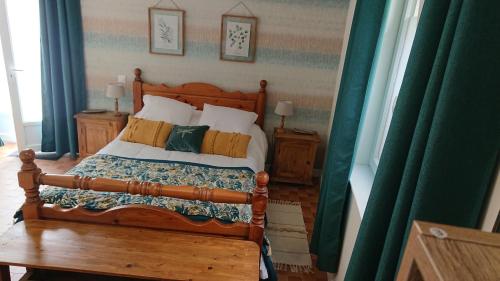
(290, 134)
(108, 115)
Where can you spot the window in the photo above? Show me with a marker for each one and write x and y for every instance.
(389, 65)
(405, 42)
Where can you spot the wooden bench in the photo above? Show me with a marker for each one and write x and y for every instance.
(126, 252)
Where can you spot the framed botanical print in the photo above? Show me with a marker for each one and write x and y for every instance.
(238, 38)
(166, 31)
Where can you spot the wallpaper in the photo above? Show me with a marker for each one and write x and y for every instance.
(298, 48)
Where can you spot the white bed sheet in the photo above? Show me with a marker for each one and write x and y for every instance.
(256, 155)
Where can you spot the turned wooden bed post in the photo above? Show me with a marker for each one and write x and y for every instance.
(137, 90)
(261, 102)
(28, 180)
(259, 204)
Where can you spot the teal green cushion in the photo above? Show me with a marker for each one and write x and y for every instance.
(186, 138)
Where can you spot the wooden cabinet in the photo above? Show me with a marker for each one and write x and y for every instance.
(97, 130)
(437, 252)
(294, 156)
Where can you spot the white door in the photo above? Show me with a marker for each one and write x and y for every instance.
(7, 130)
(20, 40)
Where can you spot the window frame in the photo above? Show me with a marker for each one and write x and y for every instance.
(406, 36)
(381, 96)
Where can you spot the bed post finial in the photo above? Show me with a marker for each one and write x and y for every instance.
(138, 73)
(28, 180)
(27, 156)
(259, 204)
(263, 85)
(137, 90)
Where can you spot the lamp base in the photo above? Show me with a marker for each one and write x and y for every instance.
(117, 112)
(281, 129)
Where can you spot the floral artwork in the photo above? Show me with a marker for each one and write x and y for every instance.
(166, 31)
(238, 38)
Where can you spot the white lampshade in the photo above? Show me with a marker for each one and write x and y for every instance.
(284, 108)
(115, 90)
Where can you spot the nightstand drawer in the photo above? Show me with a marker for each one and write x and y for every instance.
(94, 135)
(294, 157)
(97, 130)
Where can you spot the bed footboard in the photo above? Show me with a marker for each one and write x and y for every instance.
(31, 177)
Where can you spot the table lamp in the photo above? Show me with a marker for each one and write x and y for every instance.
(116, 91)
(283, 108)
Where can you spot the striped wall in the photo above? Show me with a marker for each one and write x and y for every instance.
(298, 49)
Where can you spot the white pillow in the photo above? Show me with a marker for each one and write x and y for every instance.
(226, 119)
(195, 118)
(165, 109)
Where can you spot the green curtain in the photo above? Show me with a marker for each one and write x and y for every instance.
(443, 142)
(328, 227)
(63, 75)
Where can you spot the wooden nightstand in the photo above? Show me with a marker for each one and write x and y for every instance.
(294, 156)
(98, 129)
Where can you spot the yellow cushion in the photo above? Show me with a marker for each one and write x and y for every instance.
(228, 144)
(207, 146)
(163, 134)
(153, 133)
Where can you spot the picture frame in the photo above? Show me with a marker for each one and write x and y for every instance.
(166, 31)
(238, 38)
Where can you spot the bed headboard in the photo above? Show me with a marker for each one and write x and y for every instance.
(197, 94)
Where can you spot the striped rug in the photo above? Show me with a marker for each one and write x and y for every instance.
(287, 233)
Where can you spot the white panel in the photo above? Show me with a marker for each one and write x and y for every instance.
(33, 134)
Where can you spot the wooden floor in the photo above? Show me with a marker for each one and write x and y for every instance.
(11, 198)
(7, 149)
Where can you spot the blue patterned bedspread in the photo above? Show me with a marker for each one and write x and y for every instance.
(164, 172)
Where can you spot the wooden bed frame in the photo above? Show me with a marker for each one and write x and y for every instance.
(31, 177)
